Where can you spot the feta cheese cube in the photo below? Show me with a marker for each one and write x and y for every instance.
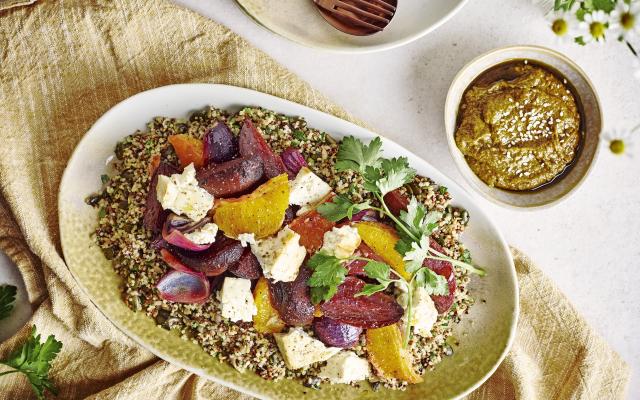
(205, 235)
(424, 313)
(280, 256)
(181, 194)
(307, 189)
(236, 300)
(341, 242)
(345, 367)
(246, 239)
(300, 350)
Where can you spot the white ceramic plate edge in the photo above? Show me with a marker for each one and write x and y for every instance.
(312, 116)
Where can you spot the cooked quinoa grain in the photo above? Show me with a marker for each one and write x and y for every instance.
(127, 243)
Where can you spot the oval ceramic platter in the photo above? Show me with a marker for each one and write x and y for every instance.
(299, 21)
(485, 334)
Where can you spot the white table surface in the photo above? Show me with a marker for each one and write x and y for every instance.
(590, 244)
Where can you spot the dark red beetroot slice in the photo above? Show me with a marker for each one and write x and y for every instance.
(231, 177)
(154, 215)
(219, 144)
(216, 260)
(184, 287)
(396, 202)
(336, 334)
(356, 267)
(444, 268)
(373, 311)
(251, 143)
(293, 161)
(247, 266)
(292, 299)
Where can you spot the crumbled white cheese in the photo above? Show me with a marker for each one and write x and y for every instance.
(205, 235)
(424, 313)
(280, 256)
(181, 194)
(307, 189)
(247, 239)
(236, 300)
(300, 350)
(341, 242)
(345, 367)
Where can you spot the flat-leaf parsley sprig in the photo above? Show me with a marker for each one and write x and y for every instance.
(382, 176)
(34, 359)
(7, 298)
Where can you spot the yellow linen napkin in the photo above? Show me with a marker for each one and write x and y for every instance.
(62, 65)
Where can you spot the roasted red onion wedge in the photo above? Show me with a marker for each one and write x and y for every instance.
(293, 161)
(184, 287)
(365, 215)
(219, 144)
(174, 262)
(251, 143)
(292, 300)
(247, 266)
(232, 177)
(373, 311)
(154, 216)
(173, 235)
(216, 259)
(336, 334)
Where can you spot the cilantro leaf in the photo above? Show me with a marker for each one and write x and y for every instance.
(355, 155)
(396, 174)
(416, 256)
(7, 298)
(34, 360)
(379, 271)
(418, 221)
(328, 274)
(433, 283)
(371, 288)
(341, 207)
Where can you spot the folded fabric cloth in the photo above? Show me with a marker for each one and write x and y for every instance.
(62, 65)
(7, 4)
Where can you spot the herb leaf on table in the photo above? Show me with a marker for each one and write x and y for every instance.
(34, 359)
(7, 298)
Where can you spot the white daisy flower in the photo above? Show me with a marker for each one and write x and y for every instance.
(594, 26)
(625, 19)
(563, 23)
(621, 142)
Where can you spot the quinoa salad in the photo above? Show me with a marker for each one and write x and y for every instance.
(284, 252)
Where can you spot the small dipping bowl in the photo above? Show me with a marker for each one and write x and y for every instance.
(591, 116)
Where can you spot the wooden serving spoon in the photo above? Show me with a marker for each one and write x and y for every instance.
(357, 17)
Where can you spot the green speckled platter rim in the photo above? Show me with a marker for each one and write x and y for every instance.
(485, 334)
(353, 49)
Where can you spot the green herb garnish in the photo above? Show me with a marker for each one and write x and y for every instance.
(328, 274)
(34, 359)
(7, 298)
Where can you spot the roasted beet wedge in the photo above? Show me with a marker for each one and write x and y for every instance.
(184, 287)
(373, 311)
(216, 260)
(356, 267)
(219, 144)
(292, 300)
(232, 177)
(396, 202)
(154, 216)
(251, 143)
(247, 266)
(444, 268)
(336, 334)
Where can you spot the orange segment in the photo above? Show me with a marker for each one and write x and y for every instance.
(267, 320)
(382, 240)
(260, 212)
(391, 360)
(188, 149)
